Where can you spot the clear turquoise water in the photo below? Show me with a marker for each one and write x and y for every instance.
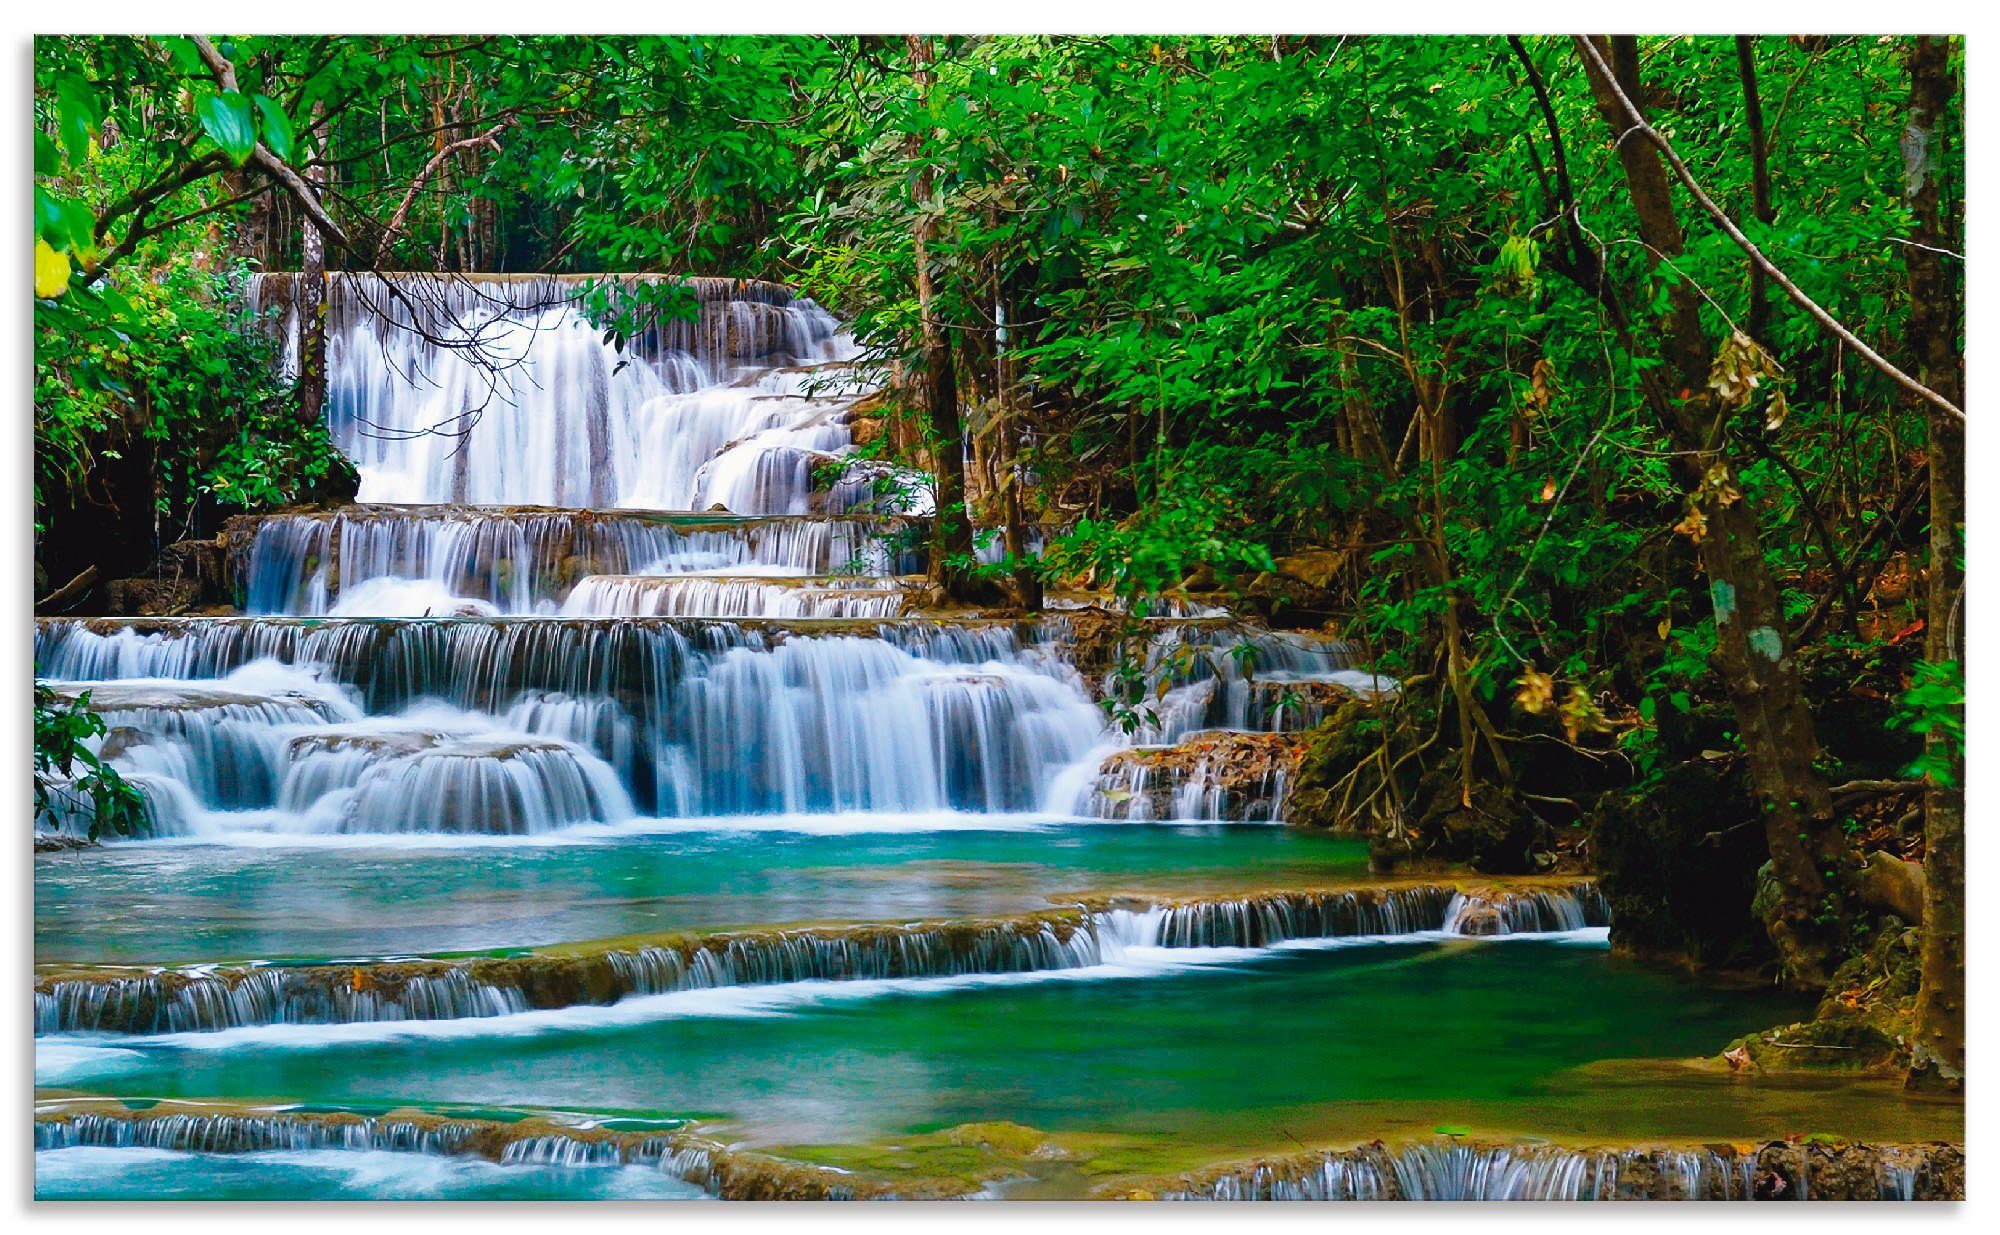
(168, 903)
(90, 1173)
(1237, 1055)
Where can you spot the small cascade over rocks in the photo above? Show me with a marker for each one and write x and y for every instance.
(719, 1171)
(1455, 1171)
(1200, 677)
(223, 1134)
(304, 758)
(1515, 911)
(1210, 777)
(228, 997)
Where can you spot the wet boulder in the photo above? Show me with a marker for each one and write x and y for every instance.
(1210, 776)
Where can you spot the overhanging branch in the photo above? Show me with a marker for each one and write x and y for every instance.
(1642, 129)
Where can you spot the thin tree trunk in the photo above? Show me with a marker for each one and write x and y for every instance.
(1809, 852)
(1939, 1052)
(1760, 176)
(1006, 397)
(309, 305)
(951, 527)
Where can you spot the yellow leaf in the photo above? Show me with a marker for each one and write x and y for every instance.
(1537, 690)
(51, 271)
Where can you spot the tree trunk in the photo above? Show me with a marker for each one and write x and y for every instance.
(951, 527)
(1809, 852)
(309, 305)
(1939, 1052)
(1760, 176)
(1027, 584)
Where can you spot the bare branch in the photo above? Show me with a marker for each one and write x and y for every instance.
(429, 169)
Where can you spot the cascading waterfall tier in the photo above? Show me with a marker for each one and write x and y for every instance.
(203, 998)
(382, 561)
(1455, 1171)
(702, 718)
(505, 390)
(533, 1140)
(712, 596)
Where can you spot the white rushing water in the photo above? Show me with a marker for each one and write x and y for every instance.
(507, 392)
(546, 614)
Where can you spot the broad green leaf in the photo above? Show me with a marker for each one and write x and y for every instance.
(276, 126)
(226, 118)
(187, 57)
(78, 116)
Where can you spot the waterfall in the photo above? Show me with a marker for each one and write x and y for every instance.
(450, 389)
(1452, 1171)
(696, 718)
(425, 561)
(595, 578)
(535, 1141)
(710, 596)
(1419, 1171)
(227, 997)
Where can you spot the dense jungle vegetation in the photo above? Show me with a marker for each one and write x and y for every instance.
(1606, 391)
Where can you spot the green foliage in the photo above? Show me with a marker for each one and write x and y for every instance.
(69, 777)
(231, 121)
(172, 372)
(1935, 704)
(1187, 524)
(1250, 295)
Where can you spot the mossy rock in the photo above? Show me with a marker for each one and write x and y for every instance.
(1335, 748)
(1488, 827)
(1678, 863)
(1864, 1022)
(1003, 1138)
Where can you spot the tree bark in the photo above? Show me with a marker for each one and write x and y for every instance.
(1809, 852)
(1760, 176)
(309, 308)
(951, 526)
(1939, 1051)
(1006, 396)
